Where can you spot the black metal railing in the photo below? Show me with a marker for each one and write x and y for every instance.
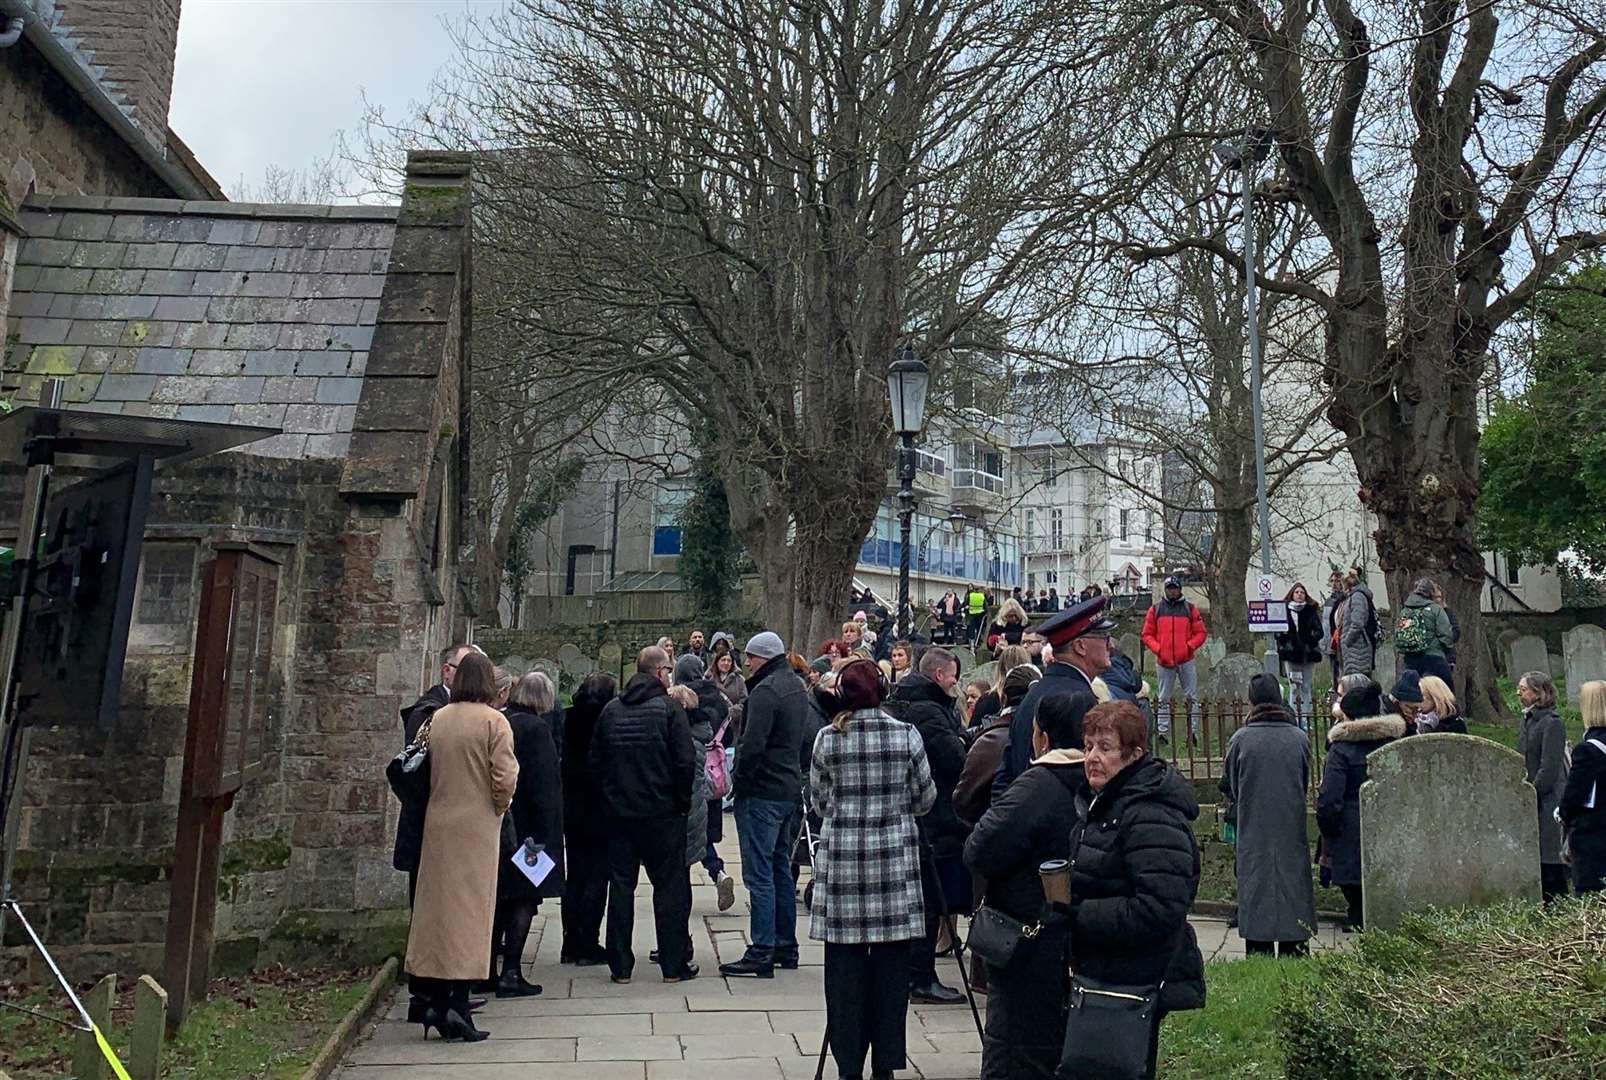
(1214, 720)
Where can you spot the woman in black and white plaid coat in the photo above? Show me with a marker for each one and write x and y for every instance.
(869, 781)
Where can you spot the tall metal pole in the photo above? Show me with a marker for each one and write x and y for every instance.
(906, 513)
(1252, 302)
(1253, 317)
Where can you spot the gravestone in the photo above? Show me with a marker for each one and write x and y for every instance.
(988, 671)
(549, 668)
(515, 665)
(1386, 665)
(1583, 649)
(1502, 649)
(1212, 653)
(576, 664)
(967, 659)
(610, 658)
(1229, 680)
(1526, 653)
(1446, 821)
(1558, 668)
(1131, 647)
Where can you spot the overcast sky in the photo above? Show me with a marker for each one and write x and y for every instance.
(270, 82)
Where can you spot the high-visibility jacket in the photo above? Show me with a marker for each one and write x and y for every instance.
(976, 602)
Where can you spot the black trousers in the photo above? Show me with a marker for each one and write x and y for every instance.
(1352, 897)
(1277, 948)
(442, 993)
(1026, 1004)
(657, 845)
(1552, 880)
(867, 1006)
(585, 894)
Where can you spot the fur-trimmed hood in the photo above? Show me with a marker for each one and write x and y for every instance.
(1368, 729)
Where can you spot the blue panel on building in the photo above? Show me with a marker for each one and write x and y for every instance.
(666, 540)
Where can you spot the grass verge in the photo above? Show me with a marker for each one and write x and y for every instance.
(1234, 1037)
(264, 1026)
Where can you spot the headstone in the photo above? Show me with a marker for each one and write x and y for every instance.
(1386, 665)
(610, 657)
(1502, 649)
(575, 664)
(1446, 821)
(1213, 652)
(1526, 653)
(1583, 649)
(1558, 668)
(1131, 647)
(150, 1029)
(515, 665)
(551, 669)
(967, 659)
(1229, 680)
(988, 671)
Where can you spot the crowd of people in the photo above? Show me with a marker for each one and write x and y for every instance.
(919, 797)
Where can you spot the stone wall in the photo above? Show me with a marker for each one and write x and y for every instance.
(135, 44)
(68, 149)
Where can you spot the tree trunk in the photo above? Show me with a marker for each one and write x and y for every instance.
(1229, 559)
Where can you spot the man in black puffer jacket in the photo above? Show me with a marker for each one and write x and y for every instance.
(643, 756)
(925, 700)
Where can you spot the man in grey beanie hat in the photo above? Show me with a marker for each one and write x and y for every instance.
(768, 786)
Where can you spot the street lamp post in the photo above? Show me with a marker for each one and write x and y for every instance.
(1243, 155)
(907, 380)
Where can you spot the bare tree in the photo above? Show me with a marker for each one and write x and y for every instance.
(1445, 152)
(749, 205)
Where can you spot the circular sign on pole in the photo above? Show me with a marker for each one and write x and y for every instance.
(1265, 585)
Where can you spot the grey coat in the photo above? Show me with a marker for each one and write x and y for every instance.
(1542, 741)
(702, 733)
(1267, 773)
(1356, 653)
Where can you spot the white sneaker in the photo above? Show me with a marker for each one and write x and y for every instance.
(727, 891)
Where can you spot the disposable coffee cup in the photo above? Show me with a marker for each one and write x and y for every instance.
(1056, 875)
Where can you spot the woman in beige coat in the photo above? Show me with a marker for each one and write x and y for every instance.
(472, 776)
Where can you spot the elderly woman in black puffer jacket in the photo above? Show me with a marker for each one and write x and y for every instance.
(1134, 868)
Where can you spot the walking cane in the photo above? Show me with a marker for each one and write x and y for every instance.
(953, 935)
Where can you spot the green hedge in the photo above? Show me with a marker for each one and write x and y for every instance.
(1514, 991)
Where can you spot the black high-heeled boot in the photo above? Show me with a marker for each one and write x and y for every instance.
(454, 1025)
(427, 1015)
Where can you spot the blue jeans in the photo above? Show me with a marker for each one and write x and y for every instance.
(767, 832)
(1183, 677)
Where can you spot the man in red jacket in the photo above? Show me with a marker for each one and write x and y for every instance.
(1173, 630)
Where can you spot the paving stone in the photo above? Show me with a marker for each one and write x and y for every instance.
(947, 1066)
(729, 1068)
(628, 1048)
(736, 1043)
(591, 1070)
(405, 1046)
(690, 1023)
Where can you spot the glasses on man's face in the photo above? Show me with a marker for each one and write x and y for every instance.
(664, 669)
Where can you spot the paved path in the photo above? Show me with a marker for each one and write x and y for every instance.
(585, 1028)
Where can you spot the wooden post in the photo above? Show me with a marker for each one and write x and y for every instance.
(150, 1029)
(87, 1061)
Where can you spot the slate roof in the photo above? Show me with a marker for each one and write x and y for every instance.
(226, 312)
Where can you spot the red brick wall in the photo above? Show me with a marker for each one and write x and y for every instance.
(134, 40)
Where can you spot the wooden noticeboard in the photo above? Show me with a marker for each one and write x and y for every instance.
(224, 745)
